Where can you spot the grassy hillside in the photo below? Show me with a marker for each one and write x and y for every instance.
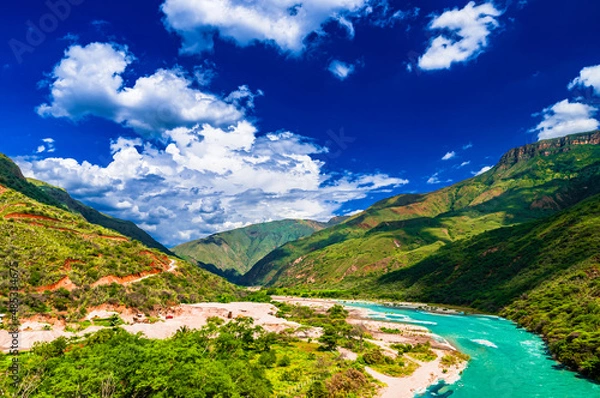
(11, 177)
(529, 183)
(66, 264)
(544, 274)
(235, 252)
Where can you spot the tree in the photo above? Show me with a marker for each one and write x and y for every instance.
(317, 390)
(329, 338)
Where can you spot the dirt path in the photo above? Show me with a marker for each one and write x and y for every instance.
(172, 267)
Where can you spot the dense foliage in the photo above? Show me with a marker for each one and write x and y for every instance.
(236, 359)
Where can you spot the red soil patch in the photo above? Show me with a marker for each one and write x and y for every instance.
(2, 189)
(107, 280)
(163, 261)
(30, 216)
(65, 283)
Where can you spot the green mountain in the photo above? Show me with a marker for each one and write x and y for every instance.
(529, 183)
(66, 265)
(544, 274)
(11, 177)
(233, 253)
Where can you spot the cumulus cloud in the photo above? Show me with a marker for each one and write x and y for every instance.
(449, 155)
(484, 169)
(466, 33)
(284, 24)
(209, 179)
(341, 70)
(88, 82)
(463, 164)
(588, 77)
(564, 118)
(46, 146)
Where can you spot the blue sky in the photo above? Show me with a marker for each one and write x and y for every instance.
(191, 117)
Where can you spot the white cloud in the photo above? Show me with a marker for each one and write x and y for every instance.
(588, 77)
(449, 155)
(483, 170)
(284, 24)
(88, 82)
(468, 146)
(467, 35)
(564, 118)
(209, 179)
(434, 179)
(47, 146)
(463, 164)
(340, 69)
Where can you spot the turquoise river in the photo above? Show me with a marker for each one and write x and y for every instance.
(506, 361)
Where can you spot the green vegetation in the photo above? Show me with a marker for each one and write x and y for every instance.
(232, 253)
(454, 358)
(236, 359)
(61, 258)
(395, 367)
(529, 183)
(420, 352)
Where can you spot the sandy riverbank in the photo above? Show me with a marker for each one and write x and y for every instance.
(195, 316)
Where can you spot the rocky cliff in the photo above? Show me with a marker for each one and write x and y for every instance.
(548, 147)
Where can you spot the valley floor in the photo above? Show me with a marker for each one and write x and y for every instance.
(164, 325)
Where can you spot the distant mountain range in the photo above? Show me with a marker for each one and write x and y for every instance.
(233, 253)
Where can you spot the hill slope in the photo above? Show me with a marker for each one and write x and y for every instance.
(93, 216)
(11, 177)
(543, 274)
(529, 183)
(235, 252)
(66, 265)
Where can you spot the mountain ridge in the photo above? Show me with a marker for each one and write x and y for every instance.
(399, 231)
